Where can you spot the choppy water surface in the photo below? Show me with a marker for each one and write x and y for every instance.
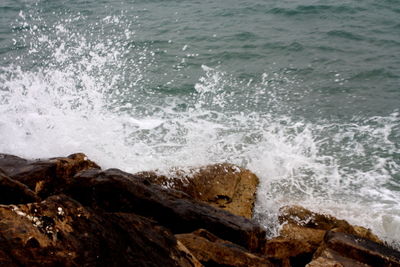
(306, 94)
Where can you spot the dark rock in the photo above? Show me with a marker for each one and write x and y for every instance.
(14, 192)
(61, 232)
(213, 251)
(224, 186)
(45, 177)
(358, 249)
(289, 252)
(117, 191)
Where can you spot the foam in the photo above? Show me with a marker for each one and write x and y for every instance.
(86, 94)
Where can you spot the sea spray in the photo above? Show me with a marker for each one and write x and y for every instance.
(98, 89)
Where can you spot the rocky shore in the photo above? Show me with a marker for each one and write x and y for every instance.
(70, 212)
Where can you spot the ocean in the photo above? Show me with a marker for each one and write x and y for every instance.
(306, 94)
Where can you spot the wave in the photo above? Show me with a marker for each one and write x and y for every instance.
(89, 89)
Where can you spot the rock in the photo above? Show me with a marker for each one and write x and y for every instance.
(116, 191)
(150, 243)
(304, 217)
(296, 215)
(358, 249)
(61, 232)
(290, 252)
(45, 177)
(366, 233)
(224, 186)
(195, 261)
(213, 251)
(329, 258)
(14, 192)
(313, 237)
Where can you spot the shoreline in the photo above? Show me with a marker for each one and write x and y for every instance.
(67, 211)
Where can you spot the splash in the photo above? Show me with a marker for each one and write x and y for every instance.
(91, 89)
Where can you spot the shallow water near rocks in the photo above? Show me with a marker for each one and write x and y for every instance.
(305, 94)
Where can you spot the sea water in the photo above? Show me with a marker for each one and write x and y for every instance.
(306, 94)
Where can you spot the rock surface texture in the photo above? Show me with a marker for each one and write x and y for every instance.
(66, 211)
(213, 251)
(224, 186)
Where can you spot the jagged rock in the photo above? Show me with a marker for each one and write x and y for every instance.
(61, 232)
(358, 249)
(14, 192)
(296, 215)
(213, 251)
(189, 254)
(313, 237)
(304, 217)
(366, 233)
(116, 191)
(308, 229)
(223, 186)
(289, 252)
(329, 258)
(45, 177)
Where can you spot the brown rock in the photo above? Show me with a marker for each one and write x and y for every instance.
(195, 261)
(61, 232)
(358, 249)
(45, 177)
(213, 251)
(296, 215)
(224, 186)
(366, 233)
(14, 192)
(304, 217)
(329, 258)
(311, 236)
(295, 252)
(117, 191)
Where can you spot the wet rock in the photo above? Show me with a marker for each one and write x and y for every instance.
(61, 232)
(149, 243)
(358, 249)
(313, 237)
(304, 217)
(116, 191)
(297, 215)
(289, 252)
(223, 186)
(213, 251)
(329, 258)
(47, 176)
(189, 254)
(14, 192)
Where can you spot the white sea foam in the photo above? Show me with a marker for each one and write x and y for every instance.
(85, 96)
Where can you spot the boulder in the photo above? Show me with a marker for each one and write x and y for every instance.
(307, 229)
(213, 251)
(14, 192)
(338, 246)
(306, 220)
(331, 259)
(116, 191)
(304, 217)
(61, 232)
(313, 237)
(289, 252)
(48, 176)
(224, 186)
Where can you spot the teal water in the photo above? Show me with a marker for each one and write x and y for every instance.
(306, 94)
